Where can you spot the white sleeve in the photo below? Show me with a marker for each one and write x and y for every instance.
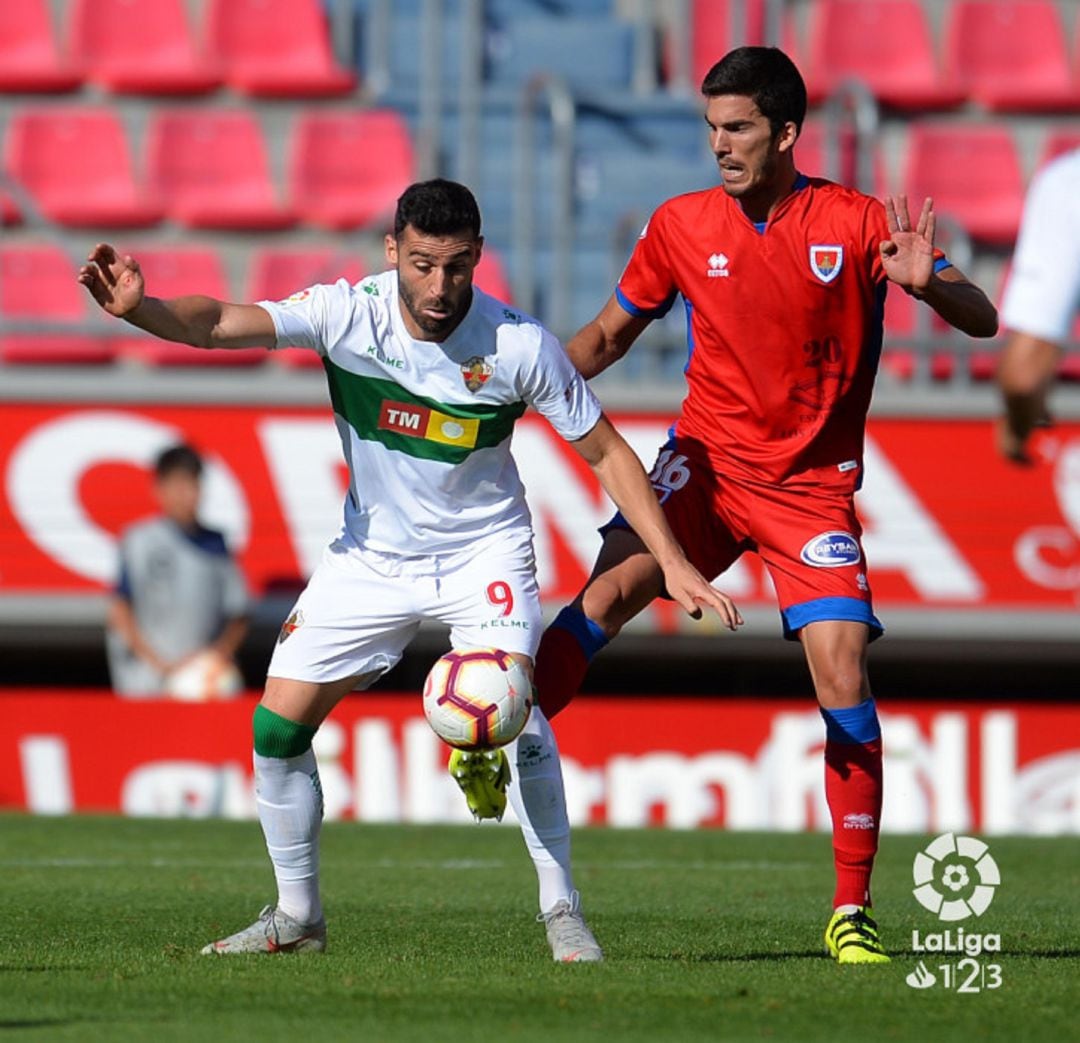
(1044, 287)
(558, 391)
(307, 318)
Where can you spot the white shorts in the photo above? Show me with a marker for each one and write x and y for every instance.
(359, 610)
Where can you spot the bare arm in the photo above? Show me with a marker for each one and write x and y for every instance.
(122, 621)
(1025, 372)
(116, 283)
(621, 474)
(232, 637)
(908, 259)
(605, 339)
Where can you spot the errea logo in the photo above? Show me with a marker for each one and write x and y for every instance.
(718, 266)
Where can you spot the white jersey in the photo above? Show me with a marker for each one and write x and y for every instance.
(425, 426)
(1044, 287)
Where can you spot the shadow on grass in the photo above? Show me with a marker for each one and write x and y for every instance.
(42, 1023)
(743, 957)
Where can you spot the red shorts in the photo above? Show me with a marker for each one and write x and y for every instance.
(808, 537)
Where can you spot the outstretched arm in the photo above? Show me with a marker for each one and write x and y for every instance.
(621, 474)
(116, 283)
(605, 339)
(908, 259)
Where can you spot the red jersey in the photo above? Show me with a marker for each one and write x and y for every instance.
(785, 326)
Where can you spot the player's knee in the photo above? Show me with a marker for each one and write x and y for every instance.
(841, 684)
(605, 603)
(277, 736)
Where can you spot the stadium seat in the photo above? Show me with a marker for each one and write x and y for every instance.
(972, 171)
(138, 48)
(275, 48)
(176, 271)
(276, 273)
(490, 275)
(589, 53)
(710, 32)
(38, 284)
(210, 169)
(1059, 141)
(77, 166)
(29, 58)
(9, 212)
(811, 157)
(1009, 55)
(884, 43)
(348, 168)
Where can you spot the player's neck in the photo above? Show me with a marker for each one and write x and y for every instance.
(760, 206)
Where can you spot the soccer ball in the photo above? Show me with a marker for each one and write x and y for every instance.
(205, 677)
(477, 698)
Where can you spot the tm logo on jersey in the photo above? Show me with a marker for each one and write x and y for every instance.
(429, 424)
(718, 266)
(832, 550)
(826, 261)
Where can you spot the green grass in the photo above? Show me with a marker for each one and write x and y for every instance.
(709, 935)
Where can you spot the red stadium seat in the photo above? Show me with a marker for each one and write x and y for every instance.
(811, 157)
(275, 48)
(711, 36)
(148, 51)
(884, 43)
(348, 168)
(38, 284)
(29, 59)
(276, 273)
(177, 272)
(76, 165)
(1058, 142)
(490, 276)
(210, 169)
(9, 212)
(973, 174)
(1009, 56)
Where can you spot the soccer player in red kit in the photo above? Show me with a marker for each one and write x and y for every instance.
(784, 279)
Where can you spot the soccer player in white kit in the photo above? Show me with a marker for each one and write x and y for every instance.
(1040, 301)
(427, 375)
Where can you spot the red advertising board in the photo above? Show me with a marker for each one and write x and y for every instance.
(949, 525)
(677, 762)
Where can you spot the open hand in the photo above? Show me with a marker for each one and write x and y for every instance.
(115, 282)
(908, 255)
(691, 590)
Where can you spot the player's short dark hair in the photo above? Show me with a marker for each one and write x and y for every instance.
(766, 75)
(176, 459)
(437, 207)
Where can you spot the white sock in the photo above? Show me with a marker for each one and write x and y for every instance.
(290, 804)
(539, 801)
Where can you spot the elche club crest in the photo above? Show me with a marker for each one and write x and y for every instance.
(826, 261)
(476, 372)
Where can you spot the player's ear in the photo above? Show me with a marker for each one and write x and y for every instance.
(478, 249)
(785, 140)
(390, 247)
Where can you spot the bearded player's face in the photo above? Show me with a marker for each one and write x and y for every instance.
(434, 279)
(751, 159)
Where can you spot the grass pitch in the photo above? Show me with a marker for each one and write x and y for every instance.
(709, 936)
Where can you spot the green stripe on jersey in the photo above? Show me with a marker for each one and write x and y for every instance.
(383, 411)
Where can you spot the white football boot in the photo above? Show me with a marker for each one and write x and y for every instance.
(274, 931)
(568, 934)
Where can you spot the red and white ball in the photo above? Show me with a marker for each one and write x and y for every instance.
(477, 698)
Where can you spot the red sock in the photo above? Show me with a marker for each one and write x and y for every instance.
(853, 791)
(560, 668)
